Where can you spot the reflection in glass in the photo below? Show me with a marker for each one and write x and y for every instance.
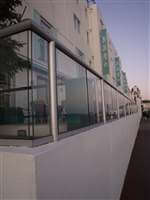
(110, 97)
(108, 101)
(114, 111)
(14, 73)
(14, 114)
(127, 107)
(24, 111)
(40, 92)
(121, 106)
(95, 99)
(71, 94)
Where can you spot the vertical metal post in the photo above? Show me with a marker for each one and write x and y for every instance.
(103, 101)
(130, 108)
(30, 83)
(87, 97)
(125, 113)
(52, 86)
(118, 105)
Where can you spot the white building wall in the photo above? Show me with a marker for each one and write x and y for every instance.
(94, 35)
(90, 165)
(59, 13)
(17, 175)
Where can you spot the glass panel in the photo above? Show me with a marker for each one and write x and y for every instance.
(14, 114)
(127, 107)
(95, 99)
(40, 90)
(121, 106)
(108, 101)
(39, 50)
(14, 76)
(114, 112)
(134, 108)
(71, 94)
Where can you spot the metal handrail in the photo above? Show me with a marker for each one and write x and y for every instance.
(29, 24)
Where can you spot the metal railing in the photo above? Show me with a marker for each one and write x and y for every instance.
(123, 104)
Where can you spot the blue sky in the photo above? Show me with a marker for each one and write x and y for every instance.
(128, 22)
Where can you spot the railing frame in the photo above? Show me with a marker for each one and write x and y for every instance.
(31, 26)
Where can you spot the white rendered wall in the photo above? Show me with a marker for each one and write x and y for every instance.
(90, 165)
(17, 175)
(60, 13)
(94, 37)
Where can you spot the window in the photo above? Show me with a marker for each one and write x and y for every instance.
(40, 52)
(45, 25)
(80, 54)
(41, 55)
(86, 12)
(101, 22)
(76, 23)
(87, 34)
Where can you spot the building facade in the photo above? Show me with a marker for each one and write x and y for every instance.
(67, 21)
(88, 85)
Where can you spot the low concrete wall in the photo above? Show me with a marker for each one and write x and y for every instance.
(17, 177)
(90, 165)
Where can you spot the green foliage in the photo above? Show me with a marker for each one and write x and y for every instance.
(8, 14)
(10, 60)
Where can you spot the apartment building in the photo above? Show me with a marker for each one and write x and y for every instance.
(65, 20)
(96, 24)
(79, 26)
(104, 54)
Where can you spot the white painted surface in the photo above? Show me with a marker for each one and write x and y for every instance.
(17, 176)
(90, 165)
(59, 13)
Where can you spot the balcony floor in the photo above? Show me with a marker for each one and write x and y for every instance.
(137, 182)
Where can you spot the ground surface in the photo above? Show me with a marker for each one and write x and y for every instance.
(137, 182)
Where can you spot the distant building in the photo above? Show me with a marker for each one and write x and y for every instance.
(136, 94)
(146, 105)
